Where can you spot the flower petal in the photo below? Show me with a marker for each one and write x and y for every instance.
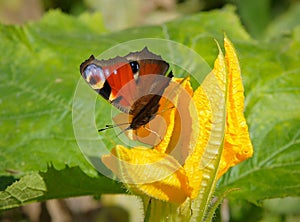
(208, 99)
(178, 144)
(237, 145)
(147, 171)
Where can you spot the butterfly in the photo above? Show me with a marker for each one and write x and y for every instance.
(134, 83)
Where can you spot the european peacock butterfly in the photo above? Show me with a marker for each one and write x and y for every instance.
(133, 83)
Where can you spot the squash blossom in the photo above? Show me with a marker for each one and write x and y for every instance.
(205, 134)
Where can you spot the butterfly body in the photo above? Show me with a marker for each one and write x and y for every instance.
(142, 116)
(133, 83)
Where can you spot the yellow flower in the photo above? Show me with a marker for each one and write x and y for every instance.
(206, 132)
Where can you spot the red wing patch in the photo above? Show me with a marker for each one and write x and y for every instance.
(133, 83)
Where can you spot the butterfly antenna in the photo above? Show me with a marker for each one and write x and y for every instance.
(165, 110)
(124, 130)
(106, 127)
(111, 126)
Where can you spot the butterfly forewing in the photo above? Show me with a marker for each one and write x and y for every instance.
(133, 83)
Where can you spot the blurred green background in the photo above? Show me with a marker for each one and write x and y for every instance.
(256, 15)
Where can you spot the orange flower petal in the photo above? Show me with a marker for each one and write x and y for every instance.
(237, 145)
(147, 171)
(167, 112)
(202, 130)
(177, 145)
(207, 100)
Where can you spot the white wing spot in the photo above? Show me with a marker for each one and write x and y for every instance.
(106, 72)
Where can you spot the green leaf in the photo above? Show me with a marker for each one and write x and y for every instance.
(284, 24)
(39, 73)
(55, 184)
(27, 188)
(255, 14)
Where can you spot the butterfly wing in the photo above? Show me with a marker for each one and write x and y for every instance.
(107, 77)
(134, 84)
(125, 80)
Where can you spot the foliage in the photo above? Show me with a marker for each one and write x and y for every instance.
(40, 69)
